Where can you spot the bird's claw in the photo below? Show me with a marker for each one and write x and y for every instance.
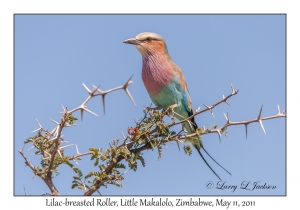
(171, 109)
(151, 110)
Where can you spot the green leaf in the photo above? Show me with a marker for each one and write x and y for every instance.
(90, 174)
(96, 162)
(132, 162)
(95, 151)
(75, 169)
(140, 158)
(76, 178)
(71, 119)
(187, 149)
(120, 165)
(123, 151)
(74, 185)
(198, 131)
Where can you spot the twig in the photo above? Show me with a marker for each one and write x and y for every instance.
(208, 108)
(46, 179)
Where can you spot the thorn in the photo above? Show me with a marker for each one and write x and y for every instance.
(90, 111)
(54, 121)
(99, 192)
(31, 148)
(117, 182)
(99, 90)
(260, 122)
(246, 127)
(103, 102)
(206, 106)
(259, 115)
(38, 122)
(82, 108)
(54, 138)
(63, 108)
(226, 101)
(66, 146)
(233, 91)
(125, 87)
(226, 117)
(128, 93)
(210, 109)
(219, 135)
(69, 125)
(278, 109)
(198, 110)
(178, 146)
(24, 190)
(63, 141)
(96, 88)
(23, 148)
(86, 88)
(36, 130)
(55, 131)
(77, 149)
(102, 93)
(40, 126)
(59, 153)
(48, 154)
(123, 135)
(75, 162)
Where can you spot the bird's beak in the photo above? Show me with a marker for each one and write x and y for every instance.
(132, 41)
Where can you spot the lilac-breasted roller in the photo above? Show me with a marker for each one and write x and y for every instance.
(165, 82)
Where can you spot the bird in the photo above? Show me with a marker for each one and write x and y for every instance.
(166, 84)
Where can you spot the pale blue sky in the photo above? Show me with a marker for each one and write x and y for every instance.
(55, 54)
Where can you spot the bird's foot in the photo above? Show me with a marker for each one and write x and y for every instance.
(171, 108)
(151, 110)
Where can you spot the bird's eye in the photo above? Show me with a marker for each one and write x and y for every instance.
(149, 39)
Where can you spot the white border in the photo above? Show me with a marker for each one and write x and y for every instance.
(8, 8)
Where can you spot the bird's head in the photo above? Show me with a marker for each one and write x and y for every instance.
(149, 43)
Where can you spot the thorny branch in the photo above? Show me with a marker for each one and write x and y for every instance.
(56, 134)
(179, 138)
(46, 179)
(209, 108)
